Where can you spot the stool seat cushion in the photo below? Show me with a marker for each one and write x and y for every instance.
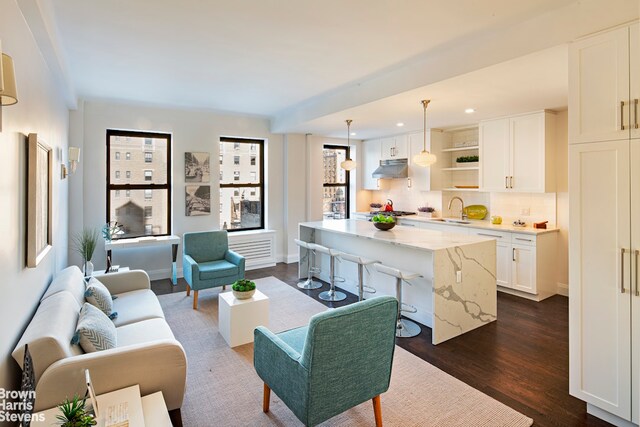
(357, 259)
(404, 275)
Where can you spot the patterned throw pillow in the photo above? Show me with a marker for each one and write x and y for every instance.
(95, 331)
(98, 295)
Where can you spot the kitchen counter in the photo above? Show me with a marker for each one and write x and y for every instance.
(456, 291)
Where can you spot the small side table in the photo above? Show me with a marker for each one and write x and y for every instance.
(238, 318)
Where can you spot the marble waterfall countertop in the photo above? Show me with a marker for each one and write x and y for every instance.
(429, 240)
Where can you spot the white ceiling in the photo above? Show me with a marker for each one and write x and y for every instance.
(301, 63)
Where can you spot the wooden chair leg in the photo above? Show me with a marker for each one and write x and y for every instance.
(188, 290)
(377, 410)
(195, 300)
(265, 398)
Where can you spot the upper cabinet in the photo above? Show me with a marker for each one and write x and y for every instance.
(394, 147)
(604, 87)
(517, 153)
(372, 152)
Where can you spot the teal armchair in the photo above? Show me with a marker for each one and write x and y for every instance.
(207, 262)
(341, 359)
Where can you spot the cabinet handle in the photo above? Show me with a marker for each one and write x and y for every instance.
(513, 254)
(510, 182)
(489, 235)
(635, 112)
(407, 225)
(524, 240)
(506, 182)
(622, 252)
(637, 252)
(622, 126)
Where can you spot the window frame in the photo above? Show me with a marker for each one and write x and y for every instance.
(151, 186)
(347, 181)
(260, 143)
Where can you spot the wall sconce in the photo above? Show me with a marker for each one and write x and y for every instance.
(8, 92)
(74, 159)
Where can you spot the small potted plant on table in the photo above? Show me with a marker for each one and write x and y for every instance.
(73, 414)
(243, 289)
(426, 211)
(85, 243)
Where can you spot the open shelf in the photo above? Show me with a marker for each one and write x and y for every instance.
(462, 168)
(472, 147)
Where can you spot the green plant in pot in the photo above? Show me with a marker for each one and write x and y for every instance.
(243, 288)
(84, 243)
(74, 414)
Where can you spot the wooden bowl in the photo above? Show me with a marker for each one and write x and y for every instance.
(384, 226)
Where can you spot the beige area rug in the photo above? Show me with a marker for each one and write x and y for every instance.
(223, 389)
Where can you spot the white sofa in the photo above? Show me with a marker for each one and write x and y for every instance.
(147, 353)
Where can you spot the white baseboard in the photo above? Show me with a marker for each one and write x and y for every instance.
(608, 417)
(291, 258)
(563, 289)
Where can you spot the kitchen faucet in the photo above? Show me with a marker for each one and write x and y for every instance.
(463, 214)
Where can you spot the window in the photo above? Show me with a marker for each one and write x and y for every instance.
(335, 203)
(241, 199)
(139, 216)
(117, 174)
(117, 155)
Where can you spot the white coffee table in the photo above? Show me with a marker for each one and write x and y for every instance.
(238, 318)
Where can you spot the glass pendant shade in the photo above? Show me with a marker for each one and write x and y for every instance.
(425, 158)
(348, 164)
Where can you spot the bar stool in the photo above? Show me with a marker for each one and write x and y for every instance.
(405, 328)
(362, 263)
(311, 264)
(331, 294)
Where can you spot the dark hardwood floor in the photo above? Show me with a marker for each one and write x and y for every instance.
(522, 359)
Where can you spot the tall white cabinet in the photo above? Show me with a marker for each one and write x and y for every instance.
(604, 218)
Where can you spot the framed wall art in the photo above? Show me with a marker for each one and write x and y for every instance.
(39, 200)
(196, 167)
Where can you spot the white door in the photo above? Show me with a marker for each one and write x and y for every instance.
(598, 83)
(494, 155)
(634, 67)
(503, 264)
(527, 153)
(599, 311)
(523, 268)
(401, 151)
(635, 290)
(420, 177)
(371, 161)
(388, 148)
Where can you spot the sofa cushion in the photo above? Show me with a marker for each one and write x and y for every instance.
(95, 331)
(49, 332)
(144, 332)
(99, 296)
(295, 338)
(70, 280)
(136, 306)
(217, 269)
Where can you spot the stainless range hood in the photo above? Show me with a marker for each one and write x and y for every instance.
(396, 168)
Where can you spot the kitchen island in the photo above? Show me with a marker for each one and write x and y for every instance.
(457, 288)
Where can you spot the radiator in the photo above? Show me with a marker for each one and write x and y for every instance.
(257, 248)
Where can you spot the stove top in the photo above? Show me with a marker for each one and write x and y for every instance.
(393, 213)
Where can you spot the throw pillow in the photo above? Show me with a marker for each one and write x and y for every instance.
(99, 296)
(95, 331)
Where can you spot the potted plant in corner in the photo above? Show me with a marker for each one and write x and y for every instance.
(243, 289)
(74, 414)
(426, 211)
(85, 243)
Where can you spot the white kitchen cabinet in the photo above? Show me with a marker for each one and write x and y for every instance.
(523, 272)
(517, 154)
(598, 87)
(634, 81)
(371, 160)
(600, 267)
(394, 147)
(503, 264)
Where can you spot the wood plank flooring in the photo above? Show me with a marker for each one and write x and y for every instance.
(522, 360)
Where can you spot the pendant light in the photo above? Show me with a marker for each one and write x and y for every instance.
(348, 164)
(424, 159)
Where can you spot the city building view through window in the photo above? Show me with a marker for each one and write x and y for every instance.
(241, 184)
(335, 201)
(139, 164)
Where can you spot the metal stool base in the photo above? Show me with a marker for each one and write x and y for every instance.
(332, 295)
(407, 329)
(309, 284)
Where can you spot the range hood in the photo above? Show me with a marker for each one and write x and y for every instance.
(396, 168)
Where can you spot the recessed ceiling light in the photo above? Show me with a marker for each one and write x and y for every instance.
(353, 134)
(470, 110)
(399, 124)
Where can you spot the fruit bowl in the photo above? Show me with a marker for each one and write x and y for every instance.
(384, 226)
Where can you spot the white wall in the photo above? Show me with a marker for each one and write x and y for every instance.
(192, 131)
(41, 109)
(294, 190)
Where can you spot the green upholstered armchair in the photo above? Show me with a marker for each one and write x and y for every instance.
(207, 262)
(341, 359)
